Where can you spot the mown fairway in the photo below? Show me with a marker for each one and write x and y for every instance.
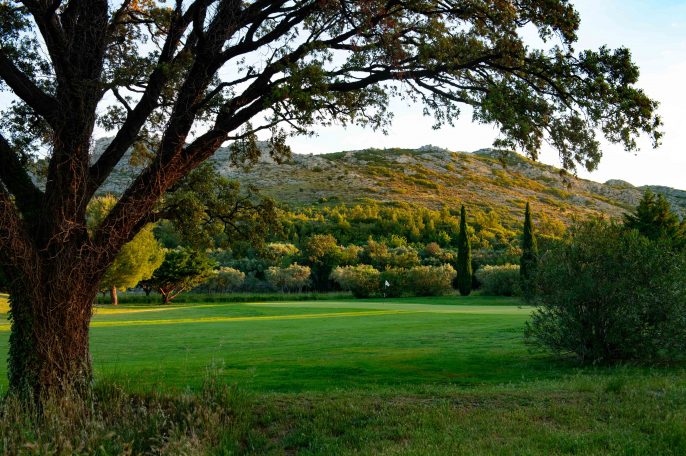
(405, 376)
(315, 345)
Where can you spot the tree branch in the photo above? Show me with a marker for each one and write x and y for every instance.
(137, 116)
(17, 181)
(44, 105)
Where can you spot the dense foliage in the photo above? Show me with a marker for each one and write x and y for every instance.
(223, 280)
(429, 280)
(290, 278)
(609, 294)
(206, 210)
(503, 280)
(654, 218)
(418, 281)
(362, 280)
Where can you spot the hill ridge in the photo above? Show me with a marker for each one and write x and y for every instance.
(487, 180)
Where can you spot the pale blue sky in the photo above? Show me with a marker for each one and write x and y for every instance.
(655, 31)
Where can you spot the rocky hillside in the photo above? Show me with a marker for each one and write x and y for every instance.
(486, 180)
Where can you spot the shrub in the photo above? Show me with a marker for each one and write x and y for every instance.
(397, 282)
(432, 250)
(293, 278)
(608, 294)
(225, 280)
(430, 280)
(499, 280)
(362, 281)
(418, 281)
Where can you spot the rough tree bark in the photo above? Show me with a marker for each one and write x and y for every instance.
(49, 345)
(50, 311)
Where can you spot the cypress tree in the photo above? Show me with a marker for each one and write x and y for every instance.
(529, 259)
(464, 257)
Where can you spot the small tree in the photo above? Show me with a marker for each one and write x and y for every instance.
(608, 295)
(181, 271)
(137, 260)
(464, 256)
(654, 219)
(529, 259)
(323, 254)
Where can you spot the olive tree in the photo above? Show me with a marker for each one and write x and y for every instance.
(181, 78)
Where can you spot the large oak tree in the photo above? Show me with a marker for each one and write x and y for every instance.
(182, 78)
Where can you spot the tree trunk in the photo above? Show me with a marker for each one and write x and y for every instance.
(114, 299)
(49, 345)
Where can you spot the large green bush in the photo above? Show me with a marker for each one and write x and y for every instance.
(292, 278)
(431, 280)
(418, 281)
(501, 280)
(394, 282)
(224, 280)
(609, 294)
(363, 280)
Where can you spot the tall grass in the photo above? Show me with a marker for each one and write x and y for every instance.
(622, 413)
(113, 422)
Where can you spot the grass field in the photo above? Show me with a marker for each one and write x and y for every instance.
(404, 376)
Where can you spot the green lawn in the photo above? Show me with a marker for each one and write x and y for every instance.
(403, 376)
(316, 346)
